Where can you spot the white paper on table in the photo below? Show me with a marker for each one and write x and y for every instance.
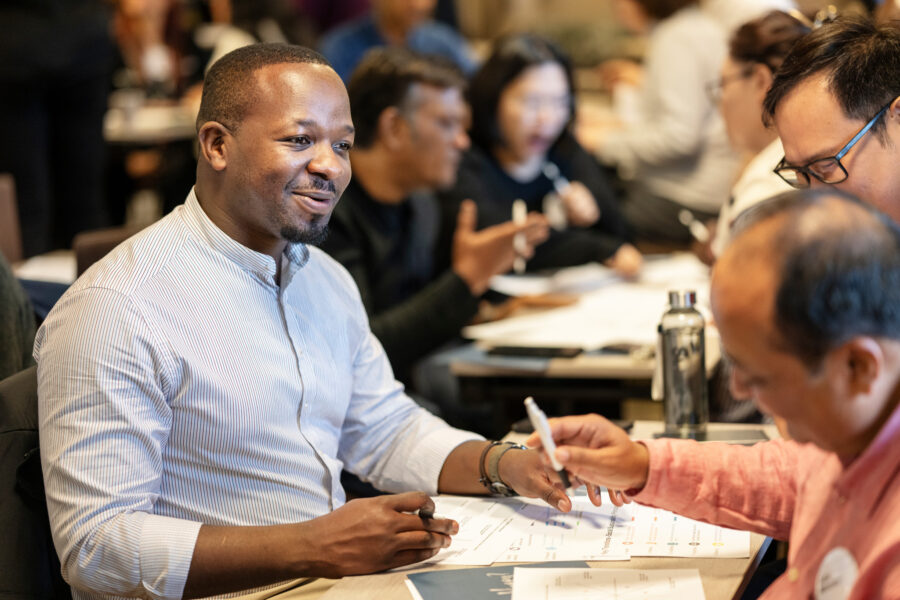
(482, 522)
(659, 532)
(678, 269)
(587, 532)
(571, 280)
(621, 584)
(623, 312)
(527, 530)
(616, 314)
(58, 267)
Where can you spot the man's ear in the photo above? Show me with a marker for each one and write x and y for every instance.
(893, 113)
(392, 128)
(864, 361)
(212, 136)
(894, 109)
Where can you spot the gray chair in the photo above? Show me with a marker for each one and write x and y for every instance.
(29, 567)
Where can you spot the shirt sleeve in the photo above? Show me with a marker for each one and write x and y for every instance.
(104, 424)
(386, 438)
(750, 488)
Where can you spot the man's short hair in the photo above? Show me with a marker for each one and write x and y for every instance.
(228, 88)
(385, 77)
(861, 60)
(837, 279)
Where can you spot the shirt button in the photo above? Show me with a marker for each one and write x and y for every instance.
(793, 574)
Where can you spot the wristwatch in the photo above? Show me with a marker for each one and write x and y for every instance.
(490, 472)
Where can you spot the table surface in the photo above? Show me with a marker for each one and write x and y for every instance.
(149, 124)
(723, 578)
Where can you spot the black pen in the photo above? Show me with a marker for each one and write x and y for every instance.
(428, 513)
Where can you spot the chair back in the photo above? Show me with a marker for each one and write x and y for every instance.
(10, 228)
(92, 245)
(29, 567)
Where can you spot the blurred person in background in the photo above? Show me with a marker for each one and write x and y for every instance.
(394, 23)
(756, 51)
(731, 14)
(410, 117)
(55, 58)
(522, 108)
(675, 157)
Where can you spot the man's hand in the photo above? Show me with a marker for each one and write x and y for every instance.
(363, 536)
(479, 255)
(374, 534)
(581, 207)
(597, 453)
(524, 472)
(627, 261)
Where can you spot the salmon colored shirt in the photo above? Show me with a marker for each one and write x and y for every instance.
(794, 492)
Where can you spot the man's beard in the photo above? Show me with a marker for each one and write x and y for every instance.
(313, 235)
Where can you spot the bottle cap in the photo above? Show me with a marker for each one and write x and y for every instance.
(682, 298)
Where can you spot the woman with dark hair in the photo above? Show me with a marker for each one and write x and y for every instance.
(756, 50)
(675, 156)
(522, 107)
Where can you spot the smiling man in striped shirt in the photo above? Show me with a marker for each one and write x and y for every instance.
(202, 387)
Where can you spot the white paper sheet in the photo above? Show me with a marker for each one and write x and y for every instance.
(620, 312)
(611, 584)
(527, 530)
(482, 522)
(662, 533)
(587, 532)
(572, 280)
(58, 266)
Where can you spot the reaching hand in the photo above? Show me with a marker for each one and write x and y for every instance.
(597, 452)
(525, 473)
(581, 207)
(627, 261)
(479, 255)
(375, 534)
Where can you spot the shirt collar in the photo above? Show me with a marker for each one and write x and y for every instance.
(877, 466)
(256, 263)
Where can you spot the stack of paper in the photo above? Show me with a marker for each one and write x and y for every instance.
(527, 530)
(606, 313)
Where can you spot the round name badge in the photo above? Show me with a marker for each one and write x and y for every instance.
(836, 575)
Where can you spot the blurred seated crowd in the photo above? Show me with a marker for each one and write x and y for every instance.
(320, 225)
(450, 143)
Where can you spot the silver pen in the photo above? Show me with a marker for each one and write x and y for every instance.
(542, 426)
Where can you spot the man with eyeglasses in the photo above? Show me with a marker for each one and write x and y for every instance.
(836, 105)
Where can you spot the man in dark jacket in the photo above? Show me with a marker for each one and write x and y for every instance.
(410, 121)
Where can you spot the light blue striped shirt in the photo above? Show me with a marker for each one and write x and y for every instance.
(180, 385)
